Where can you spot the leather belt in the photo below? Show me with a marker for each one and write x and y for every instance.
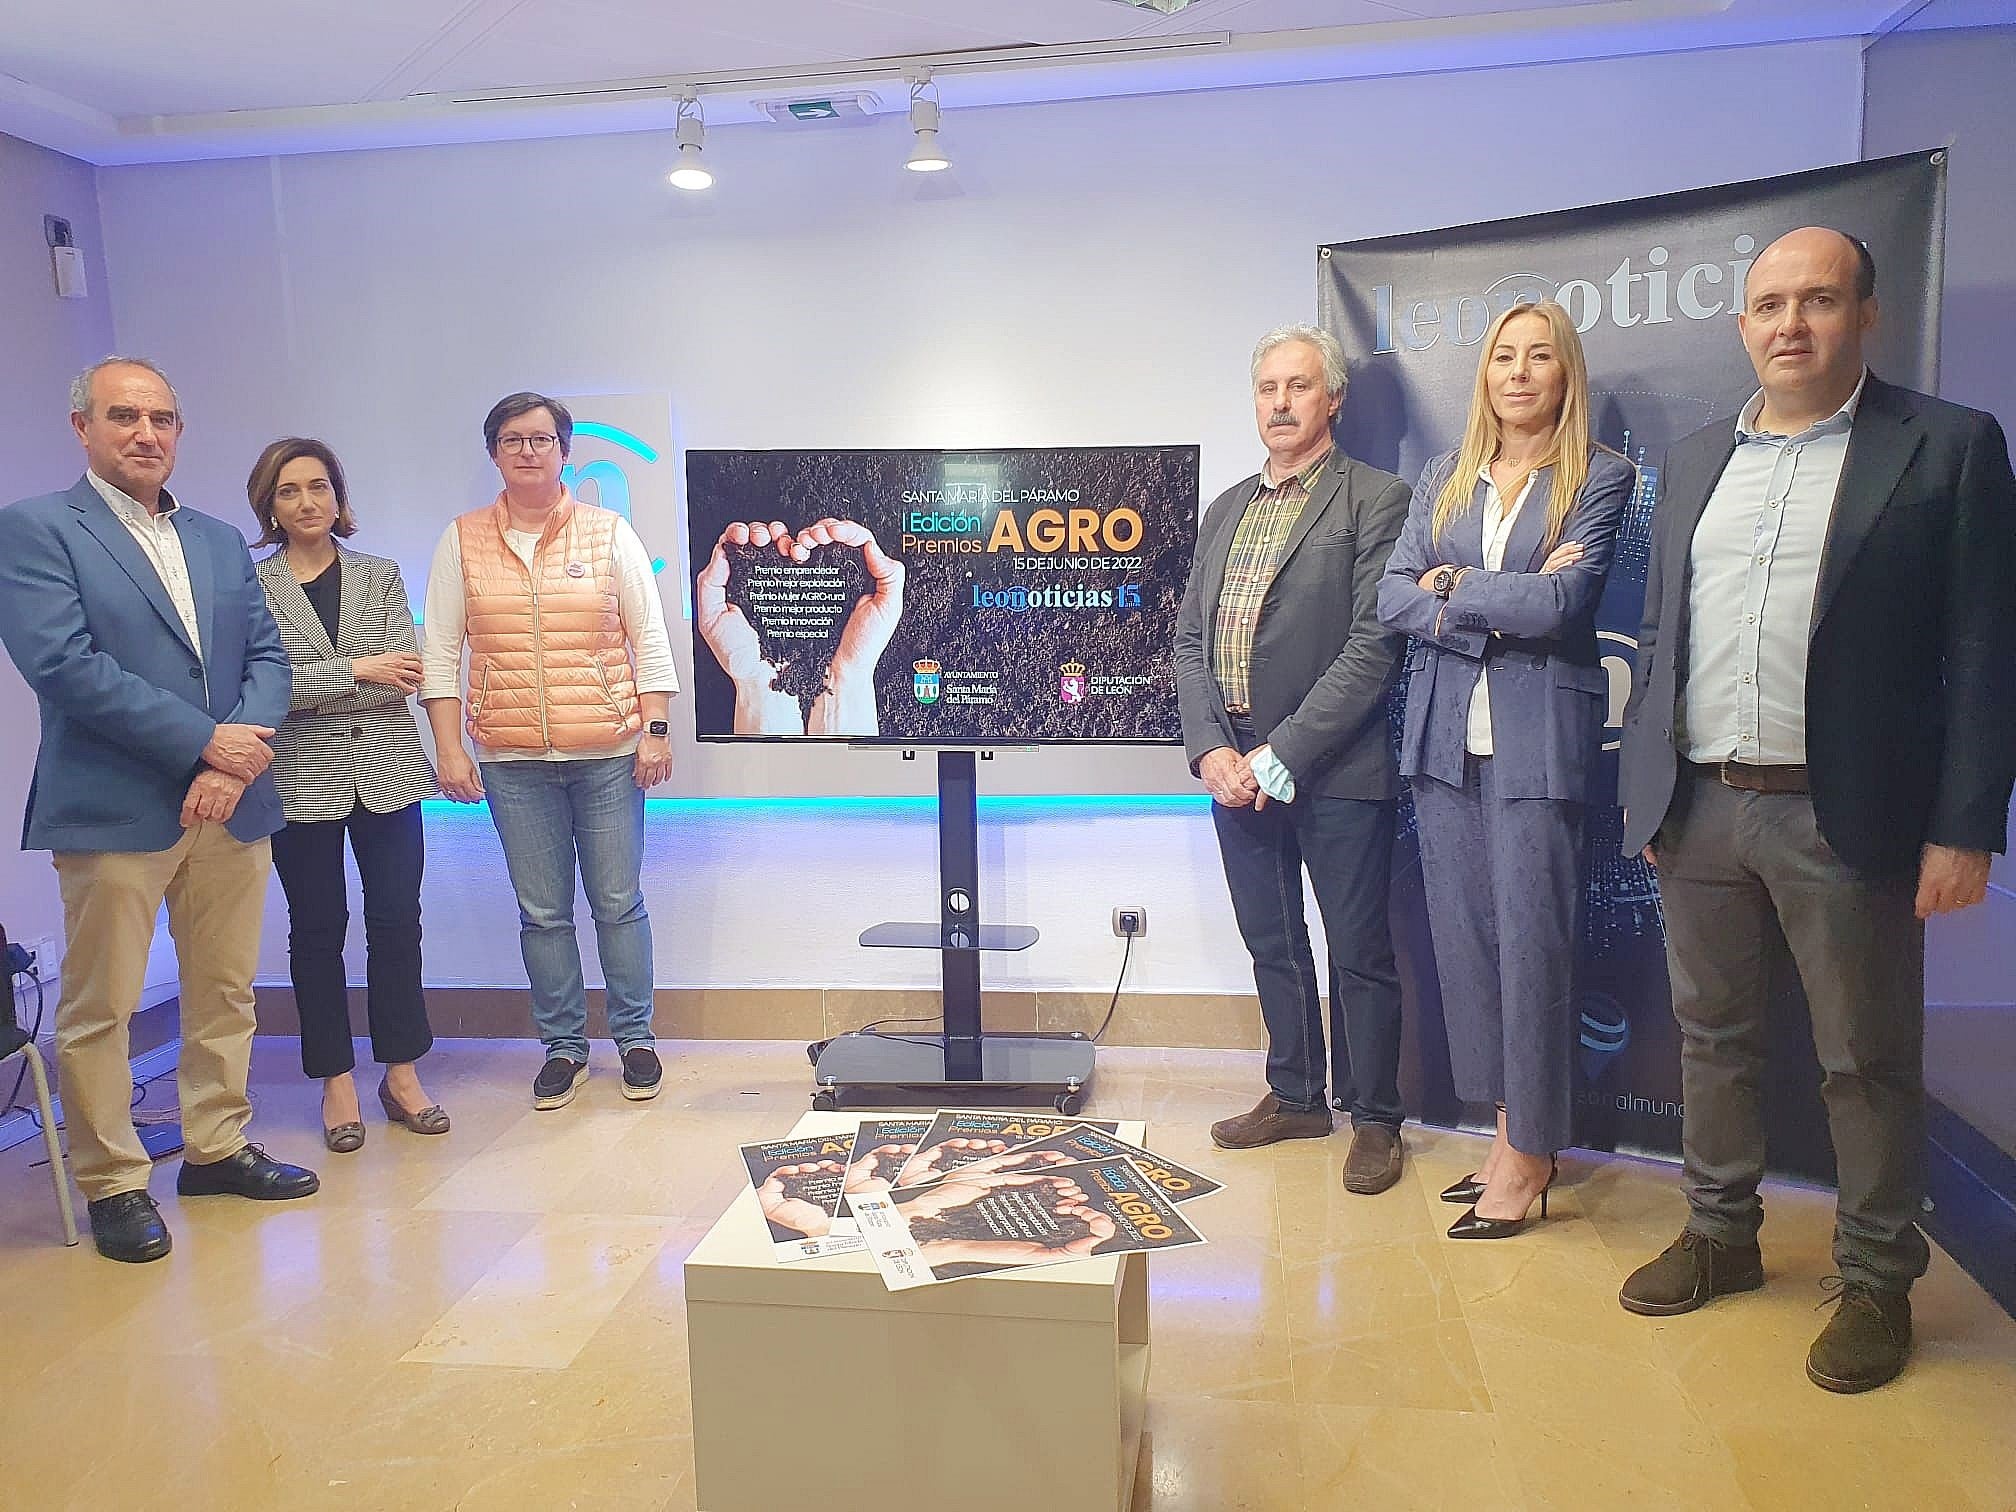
(1779, 778)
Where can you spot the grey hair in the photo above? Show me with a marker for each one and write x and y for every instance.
(1336, 375)
(80, 390)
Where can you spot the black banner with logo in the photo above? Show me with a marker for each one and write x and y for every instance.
(1653, 286)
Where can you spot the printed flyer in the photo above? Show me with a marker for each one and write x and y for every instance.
(979, 1225)
(959, 1138)
(881, 1145)
(1176, 1182)
(798, 1187)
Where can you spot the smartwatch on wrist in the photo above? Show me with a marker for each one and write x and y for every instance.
(659, 727)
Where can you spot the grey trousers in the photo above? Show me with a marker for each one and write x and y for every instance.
(1504, 883)
(1728, 862)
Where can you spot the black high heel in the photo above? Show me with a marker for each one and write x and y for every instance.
(1471, 1187)
(1471, 1226)
(1468, 1190)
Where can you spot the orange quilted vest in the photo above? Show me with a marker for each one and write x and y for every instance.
(549, 664)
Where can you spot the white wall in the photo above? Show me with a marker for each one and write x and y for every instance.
(1090, 273)
(44, 343)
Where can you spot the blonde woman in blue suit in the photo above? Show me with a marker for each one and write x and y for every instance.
(1497, 574)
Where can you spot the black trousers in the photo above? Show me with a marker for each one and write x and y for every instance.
(391, 852)
(1347, 844)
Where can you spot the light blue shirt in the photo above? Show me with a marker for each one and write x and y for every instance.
(1753, 575)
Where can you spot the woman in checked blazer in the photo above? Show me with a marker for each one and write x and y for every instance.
(348, 760)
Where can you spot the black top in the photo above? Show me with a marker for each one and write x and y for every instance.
(325, 593)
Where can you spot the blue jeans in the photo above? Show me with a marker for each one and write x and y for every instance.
(547, 813)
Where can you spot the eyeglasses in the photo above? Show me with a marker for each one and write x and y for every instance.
(538, 444)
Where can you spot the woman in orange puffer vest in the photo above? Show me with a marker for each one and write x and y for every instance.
(570, 684)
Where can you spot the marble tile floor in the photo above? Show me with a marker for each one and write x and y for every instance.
(493, 1320)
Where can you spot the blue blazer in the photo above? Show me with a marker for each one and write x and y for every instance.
(127, 705)
(1537, 634)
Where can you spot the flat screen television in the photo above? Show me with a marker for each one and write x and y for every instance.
(920, 598)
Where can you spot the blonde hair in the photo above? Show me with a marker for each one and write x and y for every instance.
(1568, 453)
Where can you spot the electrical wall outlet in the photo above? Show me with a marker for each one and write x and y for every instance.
(1130, 923)
(48, 951)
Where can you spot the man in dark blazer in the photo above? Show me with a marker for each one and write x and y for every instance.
(1282, 669)
(1821, 740)
(141, 628)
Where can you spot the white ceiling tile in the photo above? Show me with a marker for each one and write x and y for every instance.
(209, 55)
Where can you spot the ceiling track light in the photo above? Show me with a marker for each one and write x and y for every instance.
(690, 172)
(926, 156)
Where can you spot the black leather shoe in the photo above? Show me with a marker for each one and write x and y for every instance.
(127, 1226)
(249, 1173)
(1474, 1225)
(1464, 1192)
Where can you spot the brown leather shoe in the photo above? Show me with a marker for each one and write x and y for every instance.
(1865, 1343)
(1690, 1271)
(1374, 1162)
(1270, 1123)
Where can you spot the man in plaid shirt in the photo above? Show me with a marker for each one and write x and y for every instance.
(1282, 668)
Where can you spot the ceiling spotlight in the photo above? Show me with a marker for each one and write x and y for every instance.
(689, 172)
(926, 156)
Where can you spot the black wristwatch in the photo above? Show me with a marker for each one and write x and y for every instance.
(1443, 581)
(659, 727)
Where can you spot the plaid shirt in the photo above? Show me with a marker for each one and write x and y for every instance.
(1258, 543)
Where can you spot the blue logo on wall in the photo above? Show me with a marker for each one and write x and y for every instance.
(612, 484)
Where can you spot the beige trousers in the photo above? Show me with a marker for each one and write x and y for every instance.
(215, 888)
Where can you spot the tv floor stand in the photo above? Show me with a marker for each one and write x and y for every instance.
(964, 1066)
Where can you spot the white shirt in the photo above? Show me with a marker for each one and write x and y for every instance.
(1753, 575)
(162, 542)
(444, 632)
(1498, 523)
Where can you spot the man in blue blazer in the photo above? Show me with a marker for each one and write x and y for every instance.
(160, 677)
(1821, 740)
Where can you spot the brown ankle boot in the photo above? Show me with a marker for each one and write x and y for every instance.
(1269, 1123)
(1865, 1343)
(1692, 1269)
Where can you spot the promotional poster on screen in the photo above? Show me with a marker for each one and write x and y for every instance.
(798, 1185)
(959, 1138)
(916, 597)
(982, 1225)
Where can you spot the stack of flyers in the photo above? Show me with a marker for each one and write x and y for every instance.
(798, 1186)
(958, 1138)
(979, 1224)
